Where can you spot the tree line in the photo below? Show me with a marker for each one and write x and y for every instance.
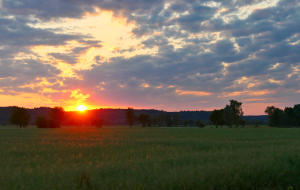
(21, 117)
(289, 116)
(57, 117)
(164, 119)
(231, 115)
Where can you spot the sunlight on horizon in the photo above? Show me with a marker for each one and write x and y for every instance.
(81, 108)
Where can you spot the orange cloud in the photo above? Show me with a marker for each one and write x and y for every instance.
(145, 85)
(253, 99)
(194, 93)
(247, 92)
(29, 100)
(78, 95)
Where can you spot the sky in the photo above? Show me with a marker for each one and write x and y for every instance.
(162, 54)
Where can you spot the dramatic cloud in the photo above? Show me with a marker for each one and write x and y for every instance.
(170, 54)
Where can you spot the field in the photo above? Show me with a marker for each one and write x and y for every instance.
(149, 158)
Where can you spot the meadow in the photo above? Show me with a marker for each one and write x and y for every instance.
(149, 158)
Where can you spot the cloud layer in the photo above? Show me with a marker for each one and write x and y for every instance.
(178, 54)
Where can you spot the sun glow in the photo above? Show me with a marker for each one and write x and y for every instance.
(81, 108)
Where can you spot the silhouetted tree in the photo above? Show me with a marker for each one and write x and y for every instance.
(233, 113)
(274, 115)
(284, 118)
(297, 114)
(57, 113)
(216, 117)
(130, 117)
(20, 116)
(288, 117)
(144, 119)
(56, 117)
(42, 122)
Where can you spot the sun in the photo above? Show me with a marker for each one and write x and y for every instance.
(81, 108)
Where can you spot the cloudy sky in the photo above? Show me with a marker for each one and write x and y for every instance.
(171, 54)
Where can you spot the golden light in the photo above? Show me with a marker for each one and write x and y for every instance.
(81, 108)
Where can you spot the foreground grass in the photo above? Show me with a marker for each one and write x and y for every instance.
(156, 158)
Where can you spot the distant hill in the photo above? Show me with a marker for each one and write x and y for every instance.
(5, 113)
(117, 116)
(256, 119)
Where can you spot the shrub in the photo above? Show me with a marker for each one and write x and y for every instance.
(53, 123)
(20, 116)
(41, 122)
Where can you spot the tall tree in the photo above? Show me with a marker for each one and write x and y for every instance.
(288, 117)
(233, 113)
(274, 115)
(20, 116)
(130, 117)
(56, 117)
(297, 114)
(216, 117)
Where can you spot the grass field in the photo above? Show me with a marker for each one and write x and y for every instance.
(149, 158)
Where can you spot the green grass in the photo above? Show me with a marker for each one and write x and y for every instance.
(149, 158)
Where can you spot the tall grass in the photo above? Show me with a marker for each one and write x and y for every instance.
(149, 158)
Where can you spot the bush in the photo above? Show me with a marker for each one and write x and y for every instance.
(20, 116)
(53, 123)
(41, 122)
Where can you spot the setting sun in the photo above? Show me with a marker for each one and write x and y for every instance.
(81, 108)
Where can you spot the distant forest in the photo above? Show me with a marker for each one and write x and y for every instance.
(118, 117)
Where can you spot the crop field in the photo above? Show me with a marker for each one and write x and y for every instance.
(149, 158)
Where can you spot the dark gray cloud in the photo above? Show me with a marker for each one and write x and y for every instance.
(16, 74)
(74, 9)
(16, 32)
(22, 73)
(197, 14)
